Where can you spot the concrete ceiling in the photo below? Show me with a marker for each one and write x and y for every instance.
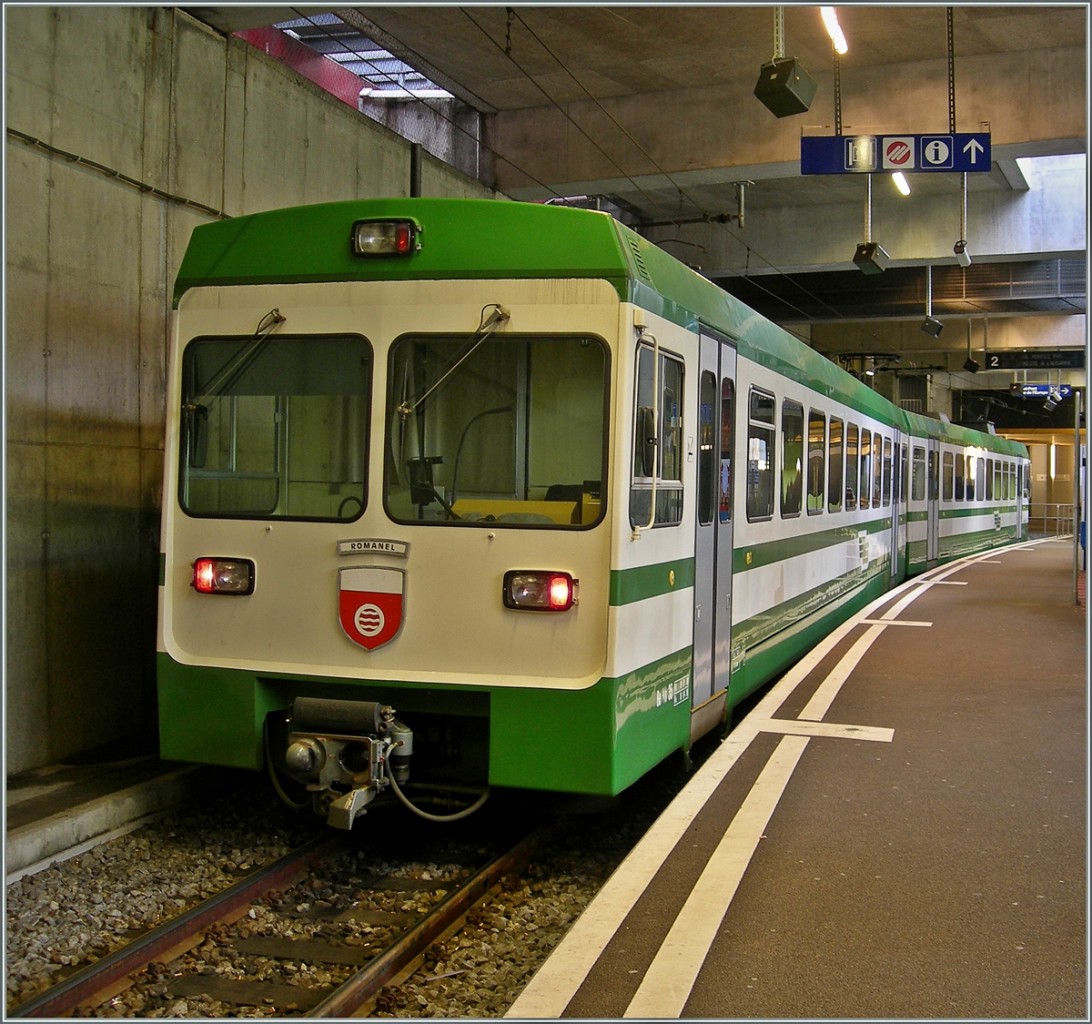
(653, 109)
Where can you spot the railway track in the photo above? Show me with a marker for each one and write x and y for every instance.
(172, 961)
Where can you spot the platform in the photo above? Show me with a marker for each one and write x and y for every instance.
(898, 828)
(62, 810)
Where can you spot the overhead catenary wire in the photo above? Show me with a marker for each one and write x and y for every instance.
(629, 135)
(507, 51)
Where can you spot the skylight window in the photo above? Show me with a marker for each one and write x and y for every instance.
(383, 76)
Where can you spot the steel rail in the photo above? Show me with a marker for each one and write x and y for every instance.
(366, 983)
(81, 986)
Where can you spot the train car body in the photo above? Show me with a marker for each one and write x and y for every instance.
(462, 494)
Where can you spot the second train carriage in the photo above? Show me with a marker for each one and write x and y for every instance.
(462, 494)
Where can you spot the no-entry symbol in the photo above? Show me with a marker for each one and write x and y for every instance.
(898, 153)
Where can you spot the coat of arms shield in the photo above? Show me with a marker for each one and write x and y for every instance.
(371, 603)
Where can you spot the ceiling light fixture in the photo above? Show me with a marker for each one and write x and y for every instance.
(834, 30)
(901, 183)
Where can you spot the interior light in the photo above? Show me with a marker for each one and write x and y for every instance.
(901, 183)
(385, 238)
(834, 30)
(539, 590)
(223, 576)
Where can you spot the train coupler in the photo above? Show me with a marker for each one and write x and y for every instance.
(346, 753)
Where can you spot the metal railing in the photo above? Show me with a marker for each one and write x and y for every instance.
(1050, 519)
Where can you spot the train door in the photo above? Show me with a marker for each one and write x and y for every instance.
(1023, 468)
(713, 539)
(897, 473)
(932, 497)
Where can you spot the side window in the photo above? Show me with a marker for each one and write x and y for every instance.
(887, 468)
(817, 460)
(866, 469)
(708, 467)
(960, 477)
(851, 466)
(657, 440)
(917, 474)
(792, 452)
(972, 474)
(947, 473)
(760, 455)
(727, 418)
(877, 471)
(835, 463)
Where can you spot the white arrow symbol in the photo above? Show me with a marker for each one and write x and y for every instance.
(974, 147)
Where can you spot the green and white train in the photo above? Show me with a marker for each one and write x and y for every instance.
(466, 494)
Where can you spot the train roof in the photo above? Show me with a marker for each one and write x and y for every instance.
(482, 238)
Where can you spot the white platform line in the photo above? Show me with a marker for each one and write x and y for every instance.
(893, 622)
(565, 971)
(670, 978)
(831, 730)
(828, 689)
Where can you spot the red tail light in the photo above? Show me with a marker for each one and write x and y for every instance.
(539, 590)
(223, 576)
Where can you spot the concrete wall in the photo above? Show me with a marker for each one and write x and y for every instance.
(100, 99)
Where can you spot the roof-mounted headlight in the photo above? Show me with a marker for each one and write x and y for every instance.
(385, 238)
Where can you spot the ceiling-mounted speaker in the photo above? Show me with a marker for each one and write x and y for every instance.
(871, 258)
(785, 87)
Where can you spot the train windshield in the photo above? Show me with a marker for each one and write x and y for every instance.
(508, 430)
(275, 426)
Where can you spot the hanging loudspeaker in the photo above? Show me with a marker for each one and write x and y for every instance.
(785, 87)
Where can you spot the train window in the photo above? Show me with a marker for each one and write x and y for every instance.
(980, 476)
(727, 418)
(902, 455)
(934, 476)
(835, 463)
(877, 471)
(792, 458)
(275, 426)
(864, 495)
(972, 473)
(708, 467)
(657, 451)
(851, 466)
(817, 461)
(888, 465)
(496, 431)
(989, 479)
(760, 455)
(948, 475)
(960, 477)
(917, 474)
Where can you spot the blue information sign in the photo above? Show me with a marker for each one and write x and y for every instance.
(1041, 390)
(865, 154)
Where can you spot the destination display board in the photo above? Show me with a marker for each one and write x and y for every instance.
(1059, 359)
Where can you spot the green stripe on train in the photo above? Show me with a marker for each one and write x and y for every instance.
(596, 740)
(638, 584)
